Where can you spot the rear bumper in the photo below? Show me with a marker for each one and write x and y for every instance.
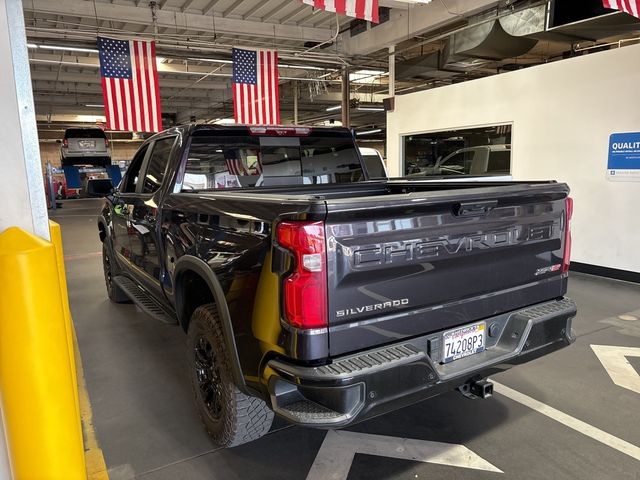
(93, 158)
(355, 387)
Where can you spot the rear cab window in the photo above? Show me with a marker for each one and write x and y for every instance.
(217, 160)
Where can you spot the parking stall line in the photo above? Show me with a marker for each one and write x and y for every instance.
(94, 458)
(82, 256)
(569, 421)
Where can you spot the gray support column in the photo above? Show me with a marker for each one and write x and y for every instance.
(346, 86)
(21, 183)
(392, 71)
(296, 92)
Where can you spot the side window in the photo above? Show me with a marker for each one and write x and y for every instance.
(131, 178)
(157, 164)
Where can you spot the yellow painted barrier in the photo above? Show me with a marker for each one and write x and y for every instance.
(38, 391)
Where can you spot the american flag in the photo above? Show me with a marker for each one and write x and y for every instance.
(364, 9)
(632, 7)
(130, 85)
(255, 87)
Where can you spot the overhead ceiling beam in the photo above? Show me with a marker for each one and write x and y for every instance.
(293, 14)
(258, 6)
(186, 5)
(325, 18)
(276, 10)
(232, 8)
(75, 77)
(142, 16)
(206, 10)
(312, 12)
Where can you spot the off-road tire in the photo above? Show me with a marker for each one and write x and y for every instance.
(114, 292)
(239, 418)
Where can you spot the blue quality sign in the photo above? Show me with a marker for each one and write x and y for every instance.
(624, 157)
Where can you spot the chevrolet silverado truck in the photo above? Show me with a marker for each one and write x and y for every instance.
(308, 291)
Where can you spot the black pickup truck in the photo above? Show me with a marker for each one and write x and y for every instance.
(308, 290)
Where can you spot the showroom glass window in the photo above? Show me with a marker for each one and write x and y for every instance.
(216, 162)
(157, 164)
(482, 151)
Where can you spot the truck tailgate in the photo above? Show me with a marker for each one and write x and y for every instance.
(421, 262)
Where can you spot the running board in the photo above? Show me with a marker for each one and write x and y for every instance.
(143, 300)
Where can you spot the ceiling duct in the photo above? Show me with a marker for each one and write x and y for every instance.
(425, 66)
(503, 37)
(514, 34)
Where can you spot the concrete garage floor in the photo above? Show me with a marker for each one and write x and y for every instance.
(147, 426)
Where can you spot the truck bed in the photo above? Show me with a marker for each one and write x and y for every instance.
(428, 257)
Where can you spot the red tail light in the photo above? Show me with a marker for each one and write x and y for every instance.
(566, 257)
(305, 288)
(106, 143)
(65, 143)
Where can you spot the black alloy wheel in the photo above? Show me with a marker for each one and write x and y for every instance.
(208, 377)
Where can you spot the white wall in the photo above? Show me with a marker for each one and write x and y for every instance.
(562, 115)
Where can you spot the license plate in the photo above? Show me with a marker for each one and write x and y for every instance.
(463, 341)
(87, 143)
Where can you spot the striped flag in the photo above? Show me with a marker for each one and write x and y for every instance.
(130, 85)
(363, 9)
(632, 7)
(255, 87)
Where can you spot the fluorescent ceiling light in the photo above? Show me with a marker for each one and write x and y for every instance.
(301, 67)
(283, 65)
(212, 60)
(336, 107)
(90, 118)
(225, 121)
(95, 105)
(371, 72)
(68, 49)
(367, 76)
(369, 132)
(32, 45)
(370, 109)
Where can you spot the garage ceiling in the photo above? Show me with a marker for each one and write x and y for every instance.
(194, 40)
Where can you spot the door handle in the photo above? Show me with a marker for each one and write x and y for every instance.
(474, 209)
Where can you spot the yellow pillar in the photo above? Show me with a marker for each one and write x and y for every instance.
(38, 390)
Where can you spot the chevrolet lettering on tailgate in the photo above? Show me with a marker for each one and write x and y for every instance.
(420, 249)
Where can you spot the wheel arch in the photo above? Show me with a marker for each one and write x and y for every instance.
(190, 268)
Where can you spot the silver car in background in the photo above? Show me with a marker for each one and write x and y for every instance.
(85, 146)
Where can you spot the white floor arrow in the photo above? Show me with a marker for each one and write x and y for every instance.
(618, 367)
(339, 447)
